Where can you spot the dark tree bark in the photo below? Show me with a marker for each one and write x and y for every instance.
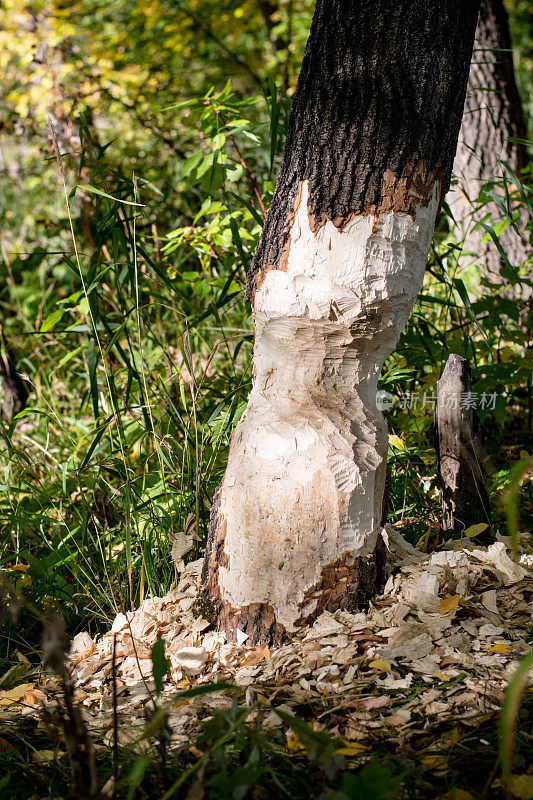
(269, 10)
(459, 448)
(492, 117)
(371, 142)
(376, 113)
(13, 389)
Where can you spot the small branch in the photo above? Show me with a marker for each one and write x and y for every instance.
(253, 184)
(208, 32)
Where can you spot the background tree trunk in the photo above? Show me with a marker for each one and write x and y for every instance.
(13, 388)
(492, 116)
(370, 146)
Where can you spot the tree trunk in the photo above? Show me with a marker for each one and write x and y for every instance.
(459, 446)
(370, 146)
(13, 389)
(492, 116)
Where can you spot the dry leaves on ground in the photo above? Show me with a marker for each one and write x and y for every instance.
(453, 624)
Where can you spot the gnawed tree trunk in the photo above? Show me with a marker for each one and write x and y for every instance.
(371, 141)
(459, 447)
(492, 117)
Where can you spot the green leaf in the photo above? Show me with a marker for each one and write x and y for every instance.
(191, 163)
(510, 499)
(93, 382)
(136, 775)
(475, 530)
(93, 190)
(509, 714)
(374, 782)
(492, 233)
(66, 358)
(98, 435)
(160, 665)
(52, 320)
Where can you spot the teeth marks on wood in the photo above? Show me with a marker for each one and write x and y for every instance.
(257, 621)
(348, 585)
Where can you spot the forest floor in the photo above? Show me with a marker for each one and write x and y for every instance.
(420, 676)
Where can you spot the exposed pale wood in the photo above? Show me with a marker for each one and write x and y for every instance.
(371, 141)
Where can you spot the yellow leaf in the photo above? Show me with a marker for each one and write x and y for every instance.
(294, 744)
(45, 756)
(351, 749)
(457, 794)
(521, 786)
(379, 664)
(501, 648)
(15, 695)
(442, 676)
(437, 762)
(396, 442)
(475, 530)
(448, 604)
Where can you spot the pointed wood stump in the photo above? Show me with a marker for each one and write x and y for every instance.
(459, 448)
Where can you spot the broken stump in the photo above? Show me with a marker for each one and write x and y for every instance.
(459, 448)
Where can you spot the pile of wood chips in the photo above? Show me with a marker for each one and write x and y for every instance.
(440, 642)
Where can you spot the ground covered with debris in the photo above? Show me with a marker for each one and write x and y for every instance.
(418, 674)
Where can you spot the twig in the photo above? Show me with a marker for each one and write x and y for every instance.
(115, 715)
(208, 32)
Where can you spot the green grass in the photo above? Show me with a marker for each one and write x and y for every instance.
(130, 328)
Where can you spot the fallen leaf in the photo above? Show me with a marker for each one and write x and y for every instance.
(256, 656)
(395, 683)
(34, 697)
(448, 604)
(501, 648)
(371, 703)
(436, 762)
(15, 695)
(457, 794)
(351, 749)
(521, 786)
(45, 756)
(379, 664)
(294, 744)
(400, 717)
